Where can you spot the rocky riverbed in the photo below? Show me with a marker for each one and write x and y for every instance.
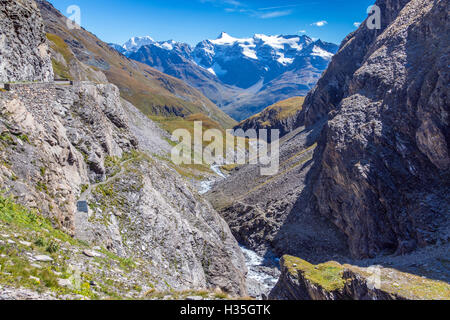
(263, 272)
(207, 185)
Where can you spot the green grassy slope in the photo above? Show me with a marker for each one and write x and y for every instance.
(276, 112)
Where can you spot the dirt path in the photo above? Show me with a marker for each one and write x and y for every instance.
(88, 191)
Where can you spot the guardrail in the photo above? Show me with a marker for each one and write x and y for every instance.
(10, 86)
(63, 82)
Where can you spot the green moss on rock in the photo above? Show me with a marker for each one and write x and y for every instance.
(340, 281)
(328, 275)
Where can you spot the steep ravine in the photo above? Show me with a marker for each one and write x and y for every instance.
(263, 272)
(365, 177)
(364, 181)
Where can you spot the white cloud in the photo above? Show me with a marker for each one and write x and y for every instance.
(233, 3)
(302, 31)
(280, 7)
(236, 6)
(224, 2)
(356, 24)
(275, 14)
(319, 23)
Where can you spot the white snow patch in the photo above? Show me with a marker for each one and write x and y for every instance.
(136, 42)
(248, 52)
(211, 70)
(283, 60)
(165, 45)
(246, 44)
(215, 69)
(317, 51)
(226, 39)
(250, 46)
(279, 42)
(218, 71)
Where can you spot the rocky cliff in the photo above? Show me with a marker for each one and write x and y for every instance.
(370, 156)
(384, 172)
(24, 52)
(61, 144)
(146, 231)
(57, 138)
(381, 172)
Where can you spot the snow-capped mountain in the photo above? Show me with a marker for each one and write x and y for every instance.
(117, 47)
(136, 42)
(282, 49)
(240, 75)
(245, 62)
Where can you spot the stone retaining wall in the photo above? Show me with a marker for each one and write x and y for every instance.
(21, 86)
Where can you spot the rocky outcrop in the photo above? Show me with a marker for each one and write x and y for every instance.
(384, 173)
(39, 262)
(56, 138)
(63, 143)
(335, 82)
(378, 172)
(151, 212)
(301, 280)
(24, 53)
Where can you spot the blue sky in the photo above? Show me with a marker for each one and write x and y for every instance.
(191, 21)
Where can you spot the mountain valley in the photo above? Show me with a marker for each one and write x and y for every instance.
(93, 205)
(241, 76)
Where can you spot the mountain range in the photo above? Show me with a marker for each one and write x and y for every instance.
(79, 55)
(240, 75)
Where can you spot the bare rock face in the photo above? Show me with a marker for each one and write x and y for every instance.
(335, 82)
(24, 53)
(64, 143)
(378, 168)
(149, 211)
(56, 139)
(61, 144)
(276, 213)
(301, 280)
(384, 172)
